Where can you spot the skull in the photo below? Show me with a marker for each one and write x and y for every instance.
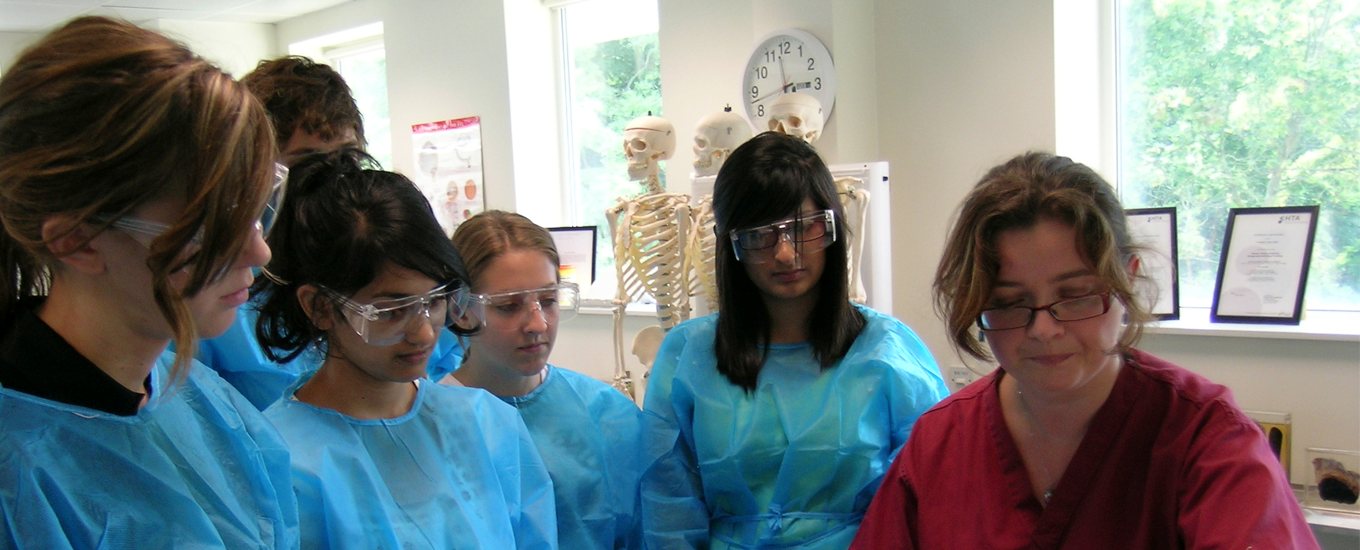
(798, 115)
(715, 138)
(647, 140)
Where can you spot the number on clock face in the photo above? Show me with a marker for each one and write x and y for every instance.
(788, 61)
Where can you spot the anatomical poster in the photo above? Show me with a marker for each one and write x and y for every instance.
(448, 156)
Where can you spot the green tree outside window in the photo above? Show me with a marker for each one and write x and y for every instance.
(1245, 103)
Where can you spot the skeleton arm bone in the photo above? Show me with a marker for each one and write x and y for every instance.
(702, 252)
(855, 200)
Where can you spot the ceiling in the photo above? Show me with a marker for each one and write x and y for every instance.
(44, 15)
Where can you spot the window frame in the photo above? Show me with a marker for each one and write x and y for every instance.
(332, 49)
(1087, 99)
(599, 296)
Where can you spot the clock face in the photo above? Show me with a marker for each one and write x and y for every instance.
(790, 60)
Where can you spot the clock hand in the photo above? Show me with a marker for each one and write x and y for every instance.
(781, 90)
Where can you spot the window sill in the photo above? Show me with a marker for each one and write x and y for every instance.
(598, 306)
(1345, 523)
(1334, 326)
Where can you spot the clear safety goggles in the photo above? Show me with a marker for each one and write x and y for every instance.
(385, 322)
(275, 201)
(553, 304)
(153, 230)
(807, 233)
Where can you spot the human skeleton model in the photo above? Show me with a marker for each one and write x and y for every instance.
(649, 233)
(797, 114)
(714, 139)
(800, 115)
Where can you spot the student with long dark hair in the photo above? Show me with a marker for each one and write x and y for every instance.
(382, 456)
(313, 112)
(772, 422)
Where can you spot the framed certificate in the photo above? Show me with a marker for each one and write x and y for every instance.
(576, 251)
(1264, 265)
(1154, 229)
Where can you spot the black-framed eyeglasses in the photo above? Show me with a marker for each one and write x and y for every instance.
(807, 232)
(1071, 309)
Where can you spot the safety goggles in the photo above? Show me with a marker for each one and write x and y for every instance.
(553, 304)
(152, 230)
(807, 233)
(275, 201)
(385, 322)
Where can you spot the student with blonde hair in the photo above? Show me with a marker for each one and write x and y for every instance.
(586, 431)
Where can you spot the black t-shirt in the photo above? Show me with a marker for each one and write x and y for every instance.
(35, 360)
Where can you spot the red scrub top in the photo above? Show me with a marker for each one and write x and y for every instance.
(1169, 461)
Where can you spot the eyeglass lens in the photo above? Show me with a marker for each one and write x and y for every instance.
(387, 325)
(509, 309)
(275, 201)
(1075, 309)
(808, 233)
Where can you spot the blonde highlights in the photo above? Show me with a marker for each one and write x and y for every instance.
(100, 117)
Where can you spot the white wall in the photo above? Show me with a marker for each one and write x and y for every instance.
(12, 44)
(235, 47)
(963, 85)
(1317, 382)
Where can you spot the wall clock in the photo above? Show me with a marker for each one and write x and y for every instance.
(788, 60)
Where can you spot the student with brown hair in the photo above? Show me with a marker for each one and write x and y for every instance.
(133, 177)
(312, 107)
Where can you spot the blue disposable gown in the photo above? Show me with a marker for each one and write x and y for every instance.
(589, 436)
(237, 356)
(457, 471)
(793, 464)
(196, 467)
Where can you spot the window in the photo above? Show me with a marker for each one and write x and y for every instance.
(611, 74)
(360, 57)
(1243, 104)
(364, 66)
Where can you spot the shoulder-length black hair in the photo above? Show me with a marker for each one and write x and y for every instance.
(342, 219)
(767, 179)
